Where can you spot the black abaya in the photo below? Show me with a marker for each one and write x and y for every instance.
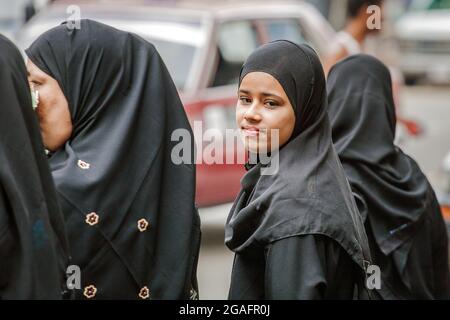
(133, 226)
(406, 230)
(33, 244)
(297, 234)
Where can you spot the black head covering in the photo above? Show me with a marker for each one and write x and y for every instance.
(387, 183)
(124, 108)
(33, 247)
(309, 194)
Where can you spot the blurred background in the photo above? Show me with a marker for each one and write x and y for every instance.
(204, 44)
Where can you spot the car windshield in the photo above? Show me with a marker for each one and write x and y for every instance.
(430, 5)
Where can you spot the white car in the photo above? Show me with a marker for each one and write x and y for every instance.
(423, 34)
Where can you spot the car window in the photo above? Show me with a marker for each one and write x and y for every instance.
(287, 29)
(178, 58)
(236, 40)
(284, 29)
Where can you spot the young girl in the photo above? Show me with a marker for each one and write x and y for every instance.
(296, 233)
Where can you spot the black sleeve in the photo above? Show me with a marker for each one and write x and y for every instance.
(308, 267)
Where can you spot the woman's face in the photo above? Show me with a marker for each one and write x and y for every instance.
(263, 106)
(53, 110)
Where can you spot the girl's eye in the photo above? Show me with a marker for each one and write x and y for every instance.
(34, 84)
(271, 104)
(245, 100)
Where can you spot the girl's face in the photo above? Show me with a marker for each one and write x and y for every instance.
(53, 110)
(263, 107)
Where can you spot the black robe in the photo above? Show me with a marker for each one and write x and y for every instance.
(133, 226)
(33, 244)
(297, 233)
(406, 230)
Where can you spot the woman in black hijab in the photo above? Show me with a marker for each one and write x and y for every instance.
(406, 231)
(297, 233)
(33, 245)
(132, 223)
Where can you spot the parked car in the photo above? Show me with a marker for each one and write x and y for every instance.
(423, 34)
(203, 45)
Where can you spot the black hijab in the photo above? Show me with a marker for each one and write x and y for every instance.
(33, 247)
(124, 108)
(386, 182)
(309, 194)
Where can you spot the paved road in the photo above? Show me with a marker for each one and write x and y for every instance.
(429, 105)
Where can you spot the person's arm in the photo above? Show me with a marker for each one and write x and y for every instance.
(305, 268)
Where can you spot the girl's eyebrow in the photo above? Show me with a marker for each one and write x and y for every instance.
(265, 94)
(268, 94)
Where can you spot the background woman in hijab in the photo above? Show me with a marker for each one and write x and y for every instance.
(407, 234)
(108, 107)
(33, 246)
(297, 234)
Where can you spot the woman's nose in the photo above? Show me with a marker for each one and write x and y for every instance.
(252, 114)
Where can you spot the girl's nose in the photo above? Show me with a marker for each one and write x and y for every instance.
(252, 114)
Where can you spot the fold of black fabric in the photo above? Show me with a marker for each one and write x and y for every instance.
(33, 243)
